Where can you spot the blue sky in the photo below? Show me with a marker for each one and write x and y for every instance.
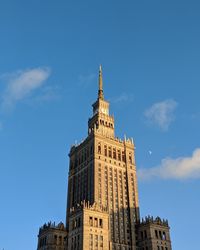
(50, 52)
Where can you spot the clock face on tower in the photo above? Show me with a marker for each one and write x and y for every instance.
(104, 111)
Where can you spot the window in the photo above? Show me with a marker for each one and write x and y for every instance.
(95, 222)
(119, 155)
(91, 221)
(60, 240)
(55, 239)
(123, 156)
(72, 246)
(96, 240)
(114, 153)
(74, 224)
(101, 223)
(101, 240)
(130, 158)
(99, 148)
(164, 236)
(109, 152)
(75, 242)
(105, 150)
(79, 222)
(91, 242)
(78, 241)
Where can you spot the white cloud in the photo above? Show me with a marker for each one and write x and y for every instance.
(161, 113)
(179, 168)
(21, 84)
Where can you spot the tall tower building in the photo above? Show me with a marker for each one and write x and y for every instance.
(103, 172)
(102, 204)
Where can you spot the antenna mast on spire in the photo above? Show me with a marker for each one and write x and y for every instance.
(100, 92)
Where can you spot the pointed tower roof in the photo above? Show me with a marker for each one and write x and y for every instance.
(100, 92)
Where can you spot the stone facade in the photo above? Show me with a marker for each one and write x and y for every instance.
(153, 234)
(52, 237)
(88, 228)
(102, 204)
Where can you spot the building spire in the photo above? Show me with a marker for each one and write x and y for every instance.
(100, 92)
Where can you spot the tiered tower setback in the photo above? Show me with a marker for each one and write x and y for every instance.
(102, 204)
(103, 172)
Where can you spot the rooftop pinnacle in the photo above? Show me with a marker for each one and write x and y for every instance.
(100, 92)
